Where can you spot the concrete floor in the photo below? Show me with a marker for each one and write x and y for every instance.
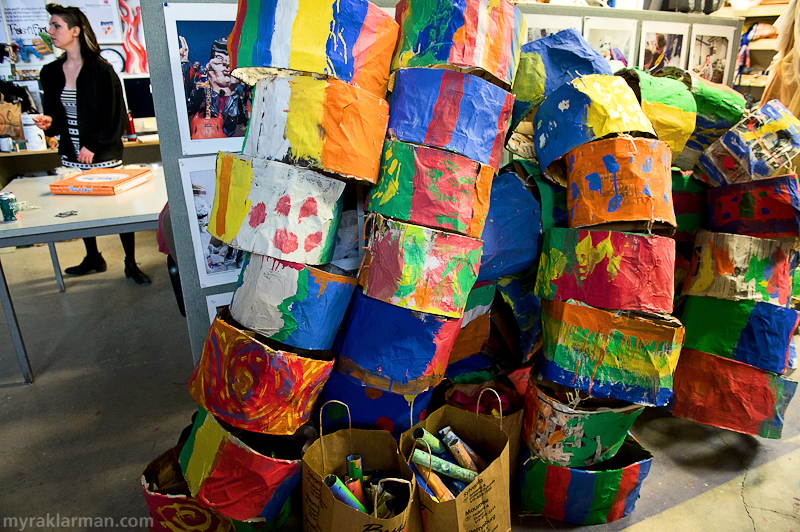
(112, 360)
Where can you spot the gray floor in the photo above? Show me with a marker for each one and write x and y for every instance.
(112, 360)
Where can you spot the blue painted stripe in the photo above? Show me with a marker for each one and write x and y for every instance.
(262, 53)
(345, 30)
(580, 495)
(630, 501)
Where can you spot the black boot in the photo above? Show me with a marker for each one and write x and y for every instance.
(133, 272)
(90, 263)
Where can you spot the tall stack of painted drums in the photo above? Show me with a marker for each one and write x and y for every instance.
(738, 316)
(610, 346)
(317, 125)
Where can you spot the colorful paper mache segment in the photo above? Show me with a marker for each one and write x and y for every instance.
(470, 34)
(310, 122)
(574, 436)
(547, 63)
(225, 474)
(476, 323)
(602, 494)
(432, 187)
(585, 109)
(737, 267)
(395, 349)
(352, 40)
(607, 269)
(730, 395)
(767, 208)
(621, 179)
(275, 209)
(610, 354)
(751, 332)
(689, 201)
(298, 305)
(420, 268)
(761, 145)
(517, 291)
(253, 386)
(451, 110)
(668, 104)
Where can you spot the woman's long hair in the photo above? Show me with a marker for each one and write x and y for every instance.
(73, 16)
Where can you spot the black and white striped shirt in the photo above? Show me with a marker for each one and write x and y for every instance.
(70, 103)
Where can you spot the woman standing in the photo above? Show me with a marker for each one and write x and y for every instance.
(83, 104)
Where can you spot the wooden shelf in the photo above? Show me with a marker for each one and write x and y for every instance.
(764, 44)
(758, 11)
(754, 80)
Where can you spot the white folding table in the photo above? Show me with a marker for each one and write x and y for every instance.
(133, 210)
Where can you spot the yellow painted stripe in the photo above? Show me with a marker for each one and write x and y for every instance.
(235, 176)
(206, 443)
(303, 121)
(310, 31)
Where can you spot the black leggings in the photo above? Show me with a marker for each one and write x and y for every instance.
(128, 244)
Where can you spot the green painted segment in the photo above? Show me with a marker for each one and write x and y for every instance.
(714, 336)
(689, 222)
(429, 19)
(391, 195)
(533, 478)
(289, 321)
(796, 283)
(747, 206)
(326, 255)
(606, 487)
(686, 183)
(481, 296)
(718, 105)
(451, 219)
(756, 271)
(550, 196)
(247, 44)
(188, 447)
(668, 91)
(444, 467)
(413, 260)
(465, 276)
(529, 82)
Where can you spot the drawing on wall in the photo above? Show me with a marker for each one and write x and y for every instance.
(711, 51)
(217, 263)
(663, 44)
(545, 25)
(212, 101)
(614, 38)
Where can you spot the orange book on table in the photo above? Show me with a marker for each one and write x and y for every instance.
(102, 181)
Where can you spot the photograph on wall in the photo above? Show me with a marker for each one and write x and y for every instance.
(212, 105)
(614, 38)
(217, 263)
(217, 302)
(712, 51)
(26, 23)
(663, 44)
(545, 25)
(103, 17)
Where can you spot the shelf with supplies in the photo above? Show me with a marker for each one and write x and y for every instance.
(773, 10)
(755, 80)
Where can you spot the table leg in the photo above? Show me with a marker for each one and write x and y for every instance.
(56, 267)
(13, 328)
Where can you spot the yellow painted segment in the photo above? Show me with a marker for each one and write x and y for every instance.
(304, 118)
(674, 126)
(590, 256)
(614, 107)
(206, 443)
(310, 31)
(705, 273)
(236, 177)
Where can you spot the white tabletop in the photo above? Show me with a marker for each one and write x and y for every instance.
(138, 205)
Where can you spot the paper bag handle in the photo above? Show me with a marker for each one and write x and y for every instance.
(381, 481)
(430, 458)
(499, 402)
(349, 427)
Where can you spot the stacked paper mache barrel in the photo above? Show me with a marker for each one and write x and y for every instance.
(729, 375)
(606, 288)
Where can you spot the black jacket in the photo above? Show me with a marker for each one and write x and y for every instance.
(101, 109)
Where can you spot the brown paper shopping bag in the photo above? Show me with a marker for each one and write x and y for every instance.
(484, 505)
(10, 119)
(328, 455)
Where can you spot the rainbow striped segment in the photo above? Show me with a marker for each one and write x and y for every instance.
(395, 349)
(223, 473)
(607, 269)
(472, 34)
(451, 110)
(611, 355)
(418, 268)
(352, 40)
(312, 123)
(603, 495)
(431, 187)
(275, 209)
(766, 208)
(298, 305)
(253, 386)
(739, 267)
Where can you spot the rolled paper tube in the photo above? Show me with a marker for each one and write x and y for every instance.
(420, 269)
(354, 467)
(470, 35)
(236, 378)
(354, 485)
(309, 122)
(767, 208)
(295, 304)
(452, 111)
(759, 146)
(444, 467)
(623, 181)
(737, 267)
(435, 483)
(351, 40)
(461, 455)
(342, 494)
(580, 111)
(432, 187)
(275, 209)
(436, 445)
(547, 63)
(477, 460)
(422, 482)
(607, 269)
